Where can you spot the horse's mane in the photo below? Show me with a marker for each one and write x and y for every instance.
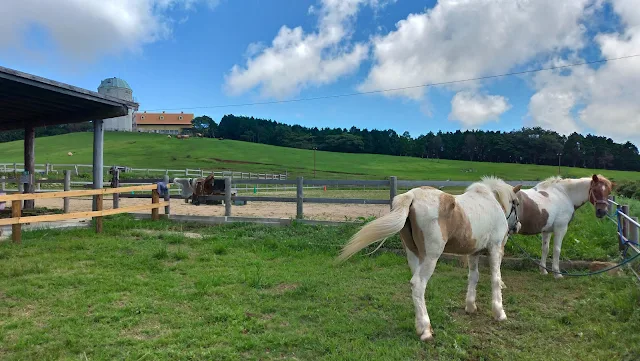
(553, 180)
(499, 188)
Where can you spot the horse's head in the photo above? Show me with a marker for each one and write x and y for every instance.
(505, 194)
(513, 220)
(599, 191)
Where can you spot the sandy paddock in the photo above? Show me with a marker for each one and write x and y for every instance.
(333, 212)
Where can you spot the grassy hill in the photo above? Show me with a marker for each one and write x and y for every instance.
(158, 151)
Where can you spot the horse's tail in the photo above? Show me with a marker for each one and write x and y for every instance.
(381, 228)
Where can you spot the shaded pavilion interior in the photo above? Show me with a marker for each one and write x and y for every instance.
(28, 102)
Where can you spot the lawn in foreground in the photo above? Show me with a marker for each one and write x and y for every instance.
(247, 292)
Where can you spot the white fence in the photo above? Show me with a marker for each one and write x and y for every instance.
(49, 168)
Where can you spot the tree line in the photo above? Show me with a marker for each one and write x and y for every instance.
(12, 135)
(527, 145)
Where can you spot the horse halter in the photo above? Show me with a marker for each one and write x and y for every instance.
(514, 210)
(592, 195)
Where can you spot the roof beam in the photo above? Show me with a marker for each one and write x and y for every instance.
(54, 86)
(106, 113)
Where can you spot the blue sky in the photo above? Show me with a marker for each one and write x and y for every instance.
(179, 54)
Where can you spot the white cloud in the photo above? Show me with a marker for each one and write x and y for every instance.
(296, 59)
(606, 99)
(460, 39)
(86, 29)
(473, 109)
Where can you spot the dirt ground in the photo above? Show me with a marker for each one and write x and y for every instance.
(332, 212)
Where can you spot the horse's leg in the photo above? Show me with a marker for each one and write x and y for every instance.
(418, 286)
(474, 275)
(504, 243)
(495, 260)
(546, 238)
(558, 235)
(412, 260)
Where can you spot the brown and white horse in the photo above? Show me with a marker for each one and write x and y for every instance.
(431, 222)
(549, 208)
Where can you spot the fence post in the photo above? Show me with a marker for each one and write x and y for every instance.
(155, 199)
(299, 198)
(76, 168)
(115, 183)
(227, 196)
(99, 199)
(167, 197)
(47, 168)
(67, 187)
(16, 229)
(393, 189)
(3, 185)
(625, 225)
(633, 231)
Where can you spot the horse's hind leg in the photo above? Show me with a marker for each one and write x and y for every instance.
(496, 302)
(418, 286)
(546, 238)
(474, 275)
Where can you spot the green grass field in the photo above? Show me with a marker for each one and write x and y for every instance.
(249, 292)
(157, 151)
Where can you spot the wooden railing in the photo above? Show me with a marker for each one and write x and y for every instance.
(17, 220)
(393, 184)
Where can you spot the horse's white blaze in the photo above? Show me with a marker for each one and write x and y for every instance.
(429, 220)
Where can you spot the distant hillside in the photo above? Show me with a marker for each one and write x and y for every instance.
(525, 146)
(158, 151)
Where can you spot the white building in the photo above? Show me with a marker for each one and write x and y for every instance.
(118, 88)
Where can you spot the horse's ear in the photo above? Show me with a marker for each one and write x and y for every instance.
(595, 178)
(517, 188)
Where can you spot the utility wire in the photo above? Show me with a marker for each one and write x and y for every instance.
(407, 87)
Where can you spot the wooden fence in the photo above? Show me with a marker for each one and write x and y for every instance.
(48, 168)
(628, 231)
(17, 220)
(299, 185)
(393, 184)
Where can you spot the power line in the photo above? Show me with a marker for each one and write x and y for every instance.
(407, 87)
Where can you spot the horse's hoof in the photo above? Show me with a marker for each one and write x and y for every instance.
(502, 285)
(544, 272)
(471, 308)
(558, 276)
(501, 316)
(427, 336)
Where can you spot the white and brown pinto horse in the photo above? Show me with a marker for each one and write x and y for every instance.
(549, 208)
(431, 222)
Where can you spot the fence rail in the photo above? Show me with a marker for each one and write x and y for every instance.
(17, 219)
(628, 231)
(48, 168)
